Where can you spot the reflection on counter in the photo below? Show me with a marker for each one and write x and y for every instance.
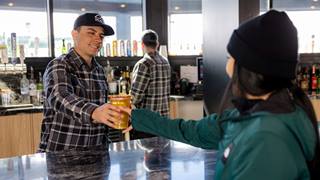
(153, 158)
(94, 164)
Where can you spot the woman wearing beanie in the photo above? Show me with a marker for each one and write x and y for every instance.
(272, 132)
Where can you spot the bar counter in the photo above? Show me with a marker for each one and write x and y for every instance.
(152, 158)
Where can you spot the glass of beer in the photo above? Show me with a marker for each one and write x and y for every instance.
(121, 100)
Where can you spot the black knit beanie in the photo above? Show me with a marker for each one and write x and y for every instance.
(266, 44)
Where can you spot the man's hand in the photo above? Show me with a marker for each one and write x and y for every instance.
(107, 114)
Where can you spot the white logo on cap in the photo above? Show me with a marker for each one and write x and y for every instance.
(98, 18)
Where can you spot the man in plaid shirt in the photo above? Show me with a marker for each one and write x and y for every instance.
(75, 109)
(150, 86)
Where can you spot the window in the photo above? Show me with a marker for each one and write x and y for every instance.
(185, 27)
(304, 15)
(28, 19)
(136, 27)
(62, 29)
(125, 17)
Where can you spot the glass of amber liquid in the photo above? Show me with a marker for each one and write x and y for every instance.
(125, 101)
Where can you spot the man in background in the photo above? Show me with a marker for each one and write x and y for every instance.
(150, 86)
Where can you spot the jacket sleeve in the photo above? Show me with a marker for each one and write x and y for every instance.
(263, 156)
(60, 93)
(140, 81)
(204, 133)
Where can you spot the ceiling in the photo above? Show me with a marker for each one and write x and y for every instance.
(291, 5)
(76, 5)
(136, 5)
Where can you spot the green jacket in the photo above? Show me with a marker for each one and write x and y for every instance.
(259, 146)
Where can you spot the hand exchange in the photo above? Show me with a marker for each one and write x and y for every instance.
(107, 114)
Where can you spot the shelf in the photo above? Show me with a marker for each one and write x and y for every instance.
(135, 58)
(118, 61)
(309, 58)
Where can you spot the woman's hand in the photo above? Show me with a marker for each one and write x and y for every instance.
(125, 109)
(128, 129)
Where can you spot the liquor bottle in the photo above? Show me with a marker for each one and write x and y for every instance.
(123, 84)
(318, 81)
(24, 90)
(33, 88)
(112, 84)
(128, 48)
(101, 52)
(3, 50)
(13, 48)
(135, 48)
(304, 83)
(40, 92)
(128, 78)
(21, 53)
(114, 48)
(122, 49)
(299, 75)
(312, 43)
(108, 52)
(125, 51)
(63, 48)
(36, 46)
(309, 75)
(314, 80)
(108, 69)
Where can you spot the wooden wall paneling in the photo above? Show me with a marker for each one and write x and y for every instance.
(36, 130)
(316, 107)
(15, 135)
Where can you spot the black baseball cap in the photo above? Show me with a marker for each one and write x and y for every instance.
(93, 19)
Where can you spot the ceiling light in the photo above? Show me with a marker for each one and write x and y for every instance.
(10, 4)
(315, 0)
(123, 5)
(83, 9)
(176, 8)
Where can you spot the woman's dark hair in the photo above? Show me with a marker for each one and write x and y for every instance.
(245, 81)
(150, 38)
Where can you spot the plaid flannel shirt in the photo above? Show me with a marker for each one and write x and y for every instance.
(150, 87)
(72, 91)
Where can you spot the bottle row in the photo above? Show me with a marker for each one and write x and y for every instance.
(115, 48)
(17, 89)
(13, 68)
(31, 90)
(308, 78)
(122, 48)
(15, 50)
